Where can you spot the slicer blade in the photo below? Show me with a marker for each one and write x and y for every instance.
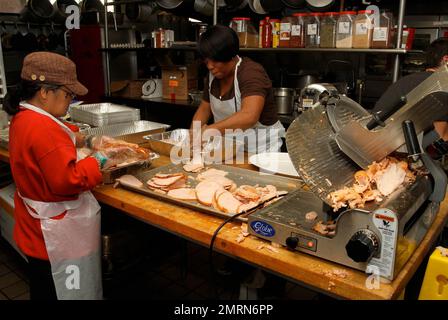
(314, 151)
(425, 104)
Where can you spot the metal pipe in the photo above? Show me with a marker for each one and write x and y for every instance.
(106, 45)
(117, 3)
(401, 10)
(215, 12)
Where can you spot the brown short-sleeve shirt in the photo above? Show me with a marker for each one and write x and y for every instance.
(253, 81)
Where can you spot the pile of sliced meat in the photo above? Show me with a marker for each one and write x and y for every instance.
(165, 182)
(215, 190)
(125, 151)
(380, 179)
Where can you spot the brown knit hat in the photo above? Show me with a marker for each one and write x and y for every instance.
(52, 68)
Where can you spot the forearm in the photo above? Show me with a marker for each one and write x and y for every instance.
(239, 120)
(202, 114)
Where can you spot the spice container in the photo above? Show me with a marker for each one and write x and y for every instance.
(265, 34)
(298, 31)
(247, 34)
(344, 29)
(363, 29)
(285, 32)
(408, 38)
(275, 23)
(382, 32)
(311, 26)
(328, 30)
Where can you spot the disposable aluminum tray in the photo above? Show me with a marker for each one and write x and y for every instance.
(4, 138)
(129, 130)
(165, 141)
(238, 175)
(101, 114)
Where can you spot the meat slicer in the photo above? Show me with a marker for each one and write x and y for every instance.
(327, 145)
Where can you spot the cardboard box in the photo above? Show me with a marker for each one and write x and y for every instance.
(127, 89)
(177, 81)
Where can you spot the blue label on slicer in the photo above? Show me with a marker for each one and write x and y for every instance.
(262, 228)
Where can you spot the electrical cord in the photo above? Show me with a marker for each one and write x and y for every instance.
(215, 234)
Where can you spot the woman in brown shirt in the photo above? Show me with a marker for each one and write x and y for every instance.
(238, 94)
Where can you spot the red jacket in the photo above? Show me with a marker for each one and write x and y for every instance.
(44, 168)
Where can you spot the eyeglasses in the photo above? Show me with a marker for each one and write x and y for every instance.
(68, 93)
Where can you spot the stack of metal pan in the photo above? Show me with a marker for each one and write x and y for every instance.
(100, 114)
(131, 131)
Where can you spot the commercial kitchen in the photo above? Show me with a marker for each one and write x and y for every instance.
(117, 156)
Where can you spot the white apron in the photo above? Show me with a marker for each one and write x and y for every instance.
(73, 243)
(257, 139)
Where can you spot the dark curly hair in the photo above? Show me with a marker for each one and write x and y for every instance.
(24, 90)
(435, 52)
(219, 43)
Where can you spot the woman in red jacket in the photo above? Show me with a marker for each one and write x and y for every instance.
(57, 218)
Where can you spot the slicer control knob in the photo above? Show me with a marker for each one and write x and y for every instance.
(362, 245)
(292, 242)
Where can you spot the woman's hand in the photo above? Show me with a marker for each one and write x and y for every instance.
(80, 140)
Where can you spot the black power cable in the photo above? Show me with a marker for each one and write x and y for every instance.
(215, 234)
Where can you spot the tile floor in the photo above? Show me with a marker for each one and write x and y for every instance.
(163, 274)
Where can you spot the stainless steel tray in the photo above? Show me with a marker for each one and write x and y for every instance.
(110, 175)
(120, 129)
(238, 175)
(165, 141)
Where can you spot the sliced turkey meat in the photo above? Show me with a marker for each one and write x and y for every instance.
(211, 173)
(246, 193)
(205, 191)
(164, 182)
(390, 179)
(227, 202)
(185, 194)
(193, 167)
(168, 175)
(130, 180)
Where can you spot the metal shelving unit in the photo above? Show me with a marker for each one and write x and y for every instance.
(397, 51)
(275, 50)
(2, 75)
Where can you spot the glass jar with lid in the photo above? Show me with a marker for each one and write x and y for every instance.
(328, 30)
(247, 34)
(298, 31)
(363, 29)
(382, 32)
(285, 31)
(344, 29)
(311, 26)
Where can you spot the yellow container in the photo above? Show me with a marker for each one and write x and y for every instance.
(435, 283)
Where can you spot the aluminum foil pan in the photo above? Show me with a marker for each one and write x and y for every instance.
(101, 114)
(120, 129)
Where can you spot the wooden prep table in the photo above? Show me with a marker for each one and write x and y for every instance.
(312, 272)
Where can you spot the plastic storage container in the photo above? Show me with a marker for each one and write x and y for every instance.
(363, 29)
(382, 32)
(344, 29)
(285, 32)
(298, 31)
(328, 30)
(247, 34)
(312, 32)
